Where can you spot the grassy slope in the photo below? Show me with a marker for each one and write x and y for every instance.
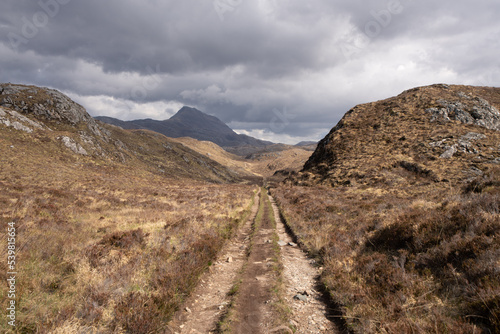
(109, 243)
(217, 153)
(260, 164)
(395, 264)
(409, 241)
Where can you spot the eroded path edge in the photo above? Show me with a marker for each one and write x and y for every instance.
(309, 312)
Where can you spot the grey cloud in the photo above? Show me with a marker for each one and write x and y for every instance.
(260, 57)
(187, 36)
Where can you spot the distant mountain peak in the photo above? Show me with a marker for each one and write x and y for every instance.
(187, 108)
(193, 118)
(189, 111)
(191, 122)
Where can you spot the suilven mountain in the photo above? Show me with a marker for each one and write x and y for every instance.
(190, 122)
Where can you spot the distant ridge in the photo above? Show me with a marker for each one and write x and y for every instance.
(307, 145)
(191, 122)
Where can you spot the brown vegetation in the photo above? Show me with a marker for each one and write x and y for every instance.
(102, 245)
(403, 212)
(424, 262)
(262, 164)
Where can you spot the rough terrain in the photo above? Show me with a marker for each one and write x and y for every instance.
(210, 299)
(237, 290)
(310, 314)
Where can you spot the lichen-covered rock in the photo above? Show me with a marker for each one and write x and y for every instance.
(465, 144)
(11, 118)
(467, 110)
(21, 127)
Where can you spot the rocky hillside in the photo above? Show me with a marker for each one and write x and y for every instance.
(400, 204)
(43, 126)
(435, 134)
(190, 122)
(49, 106)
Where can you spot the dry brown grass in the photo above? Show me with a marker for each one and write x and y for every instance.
(263, 164)
(427, 262)
(107, 247)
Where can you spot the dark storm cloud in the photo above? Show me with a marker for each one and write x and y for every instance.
(179, 37)
(247, 62)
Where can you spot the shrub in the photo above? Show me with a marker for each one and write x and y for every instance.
(400, 264)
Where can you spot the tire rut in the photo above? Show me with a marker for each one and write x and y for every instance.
(209, 300)
(252, 309)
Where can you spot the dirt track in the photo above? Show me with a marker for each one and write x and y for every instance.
(253, 305)
(237, 289)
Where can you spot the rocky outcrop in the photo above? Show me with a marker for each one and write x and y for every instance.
(29, 108)
(73, 145)
(11, 118)
(466, 144)
(468, 110)
(48, 105)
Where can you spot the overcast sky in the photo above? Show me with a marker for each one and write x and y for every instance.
(283, 70)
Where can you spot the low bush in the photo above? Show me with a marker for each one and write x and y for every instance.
(419, 264)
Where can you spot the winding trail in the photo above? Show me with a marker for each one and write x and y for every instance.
(249, 261)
